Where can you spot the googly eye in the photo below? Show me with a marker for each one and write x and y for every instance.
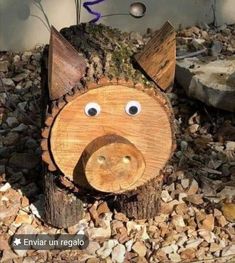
(92, 109)
(133, 108)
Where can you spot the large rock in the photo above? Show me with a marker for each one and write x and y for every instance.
(212, 82)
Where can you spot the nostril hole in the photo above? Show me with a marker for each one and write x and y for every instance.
(101, 159)
(126, 159)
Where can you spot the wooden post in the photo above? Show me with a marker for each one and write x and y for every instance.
(108, 133)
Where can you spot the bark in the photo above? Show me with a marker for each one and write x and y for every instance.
(142, 203)
(62, 209)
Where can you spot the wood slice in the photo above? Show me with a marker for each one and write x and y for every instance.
(158, 58)
(149, 131)
(62, 209)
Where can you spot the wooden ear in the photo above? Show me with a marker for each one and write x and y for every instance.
(66, 66)
(158, 58)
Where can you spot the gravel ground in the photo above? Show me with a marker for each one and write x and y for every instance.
(197, 217)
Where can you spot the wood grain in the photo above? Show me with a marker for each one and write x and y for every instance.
(158, 58)
(66, 66)
(111, 163)
(150, 131)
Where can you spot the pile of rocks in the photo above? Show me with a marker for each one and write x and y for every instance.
(197, 216)
(219, 41)
(206, 64)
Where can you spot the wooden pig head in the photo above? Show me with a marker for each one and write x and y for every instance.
(112, 137)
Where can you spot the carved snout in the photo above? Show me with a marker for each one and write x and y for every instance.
(112, 163)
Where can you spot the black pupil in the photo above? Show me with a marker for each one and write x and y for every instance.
(92, 111)
(133, 110)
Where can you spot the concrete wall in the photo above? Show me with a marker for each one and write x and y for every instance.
(20, 27)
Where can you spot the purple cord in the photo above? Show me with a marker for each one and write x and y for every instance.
(97, 14)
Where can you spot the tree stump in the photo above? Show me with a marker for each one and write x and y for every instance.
(108, 130)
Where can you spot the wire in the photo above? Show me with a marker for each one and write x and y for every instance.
(95, 13)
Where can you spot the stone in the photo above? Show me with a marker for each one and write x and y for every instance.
(9, 204)
(26, 229)
(194, 128)
(216, 48)
(214, 247)
(137, 37)
(228, 210)
(118, 253)
(11, 139)
(165, 196)
(129, 245)
(4, 241)
(175, 257)
(28, 260)
(167, 208)
(178, 221)
(204, 35)
(121, 235)
(24, 201)
(37, 207)
(193, 243)
(93, 260)
(185, 183)
(182, 240)
(106, 249)
(115, 225)
(8, 255)
(193, 187)
(197, 43)
(103, 208)
(8, 82)
(181, 209)
(228, 251)
(12, 122)
(5, 187)
(161, 256)
(182, 197)
(94, 214)
(92, 247)
(208, 236)
(22, 105)
(139, 248)
(31, 144)
(121, 217)
(195, 199)
(26, 56)
(24, 160)
(208, 81)
(209, 222)
(20, 77)
(4, 66)
(101, 232)
(227, 193)
(221, 221)
(23, 218)
(20, 128)
(188, 254)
